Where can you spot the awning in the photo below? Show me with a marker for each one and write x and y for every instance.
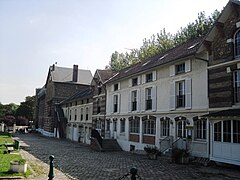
(224, 113)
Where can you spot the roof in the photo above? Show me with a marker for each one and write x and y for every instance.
(83, 94)
(224, 113)
(63, 74)
(222, 18)
(105, 74)
(187, 49)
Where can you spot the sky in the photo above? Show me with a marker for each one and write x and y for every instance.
(35, 34)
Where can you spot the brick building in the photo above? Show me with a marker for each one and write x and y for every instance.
(61, 83)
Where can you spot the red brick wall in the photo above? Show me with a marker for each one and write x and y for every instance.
(148, 139)
(134, 137)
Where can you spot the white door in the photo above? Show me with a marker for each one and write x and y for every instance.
(226, 141)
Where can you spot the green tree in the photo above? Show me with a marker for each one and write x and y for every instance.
(26, 108)
(163, 41)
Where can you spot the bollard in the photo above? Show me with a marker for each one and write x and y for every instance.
(133, 172)
(51, 173)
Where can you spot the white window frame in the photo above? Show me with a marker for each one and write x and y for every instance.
(236, 86)
(164, 128)
(237, 44)
(149, 127)
(134, 126)
(181, 128)
(122, 125)
(200, 129)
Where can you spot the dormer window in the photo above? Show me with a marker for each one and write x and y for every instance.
(149, 77)
(237, 43)
(180, 68)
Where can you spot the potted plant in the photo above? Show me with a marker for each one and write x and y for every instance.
(180, 156)
(152, 151)
(19, 166)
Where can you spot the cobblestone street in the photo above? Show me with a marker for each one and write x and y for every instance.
(80, 162)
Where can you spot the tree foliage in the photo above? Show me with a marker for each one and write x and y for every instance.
(163, 41)
(26, 108)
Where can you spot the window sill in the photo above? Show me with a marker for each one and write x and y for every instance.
(200, 141)
(149, 134)
(134, 133)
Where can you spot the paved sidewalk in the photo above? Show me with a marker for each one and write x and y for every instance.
(39, 168)
(77, 161)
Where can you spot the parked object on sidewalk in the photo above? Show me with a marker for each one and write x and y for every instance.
(51, 173)
(19, 166)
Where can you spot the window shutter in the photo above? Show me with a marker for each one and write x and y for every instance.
(172, 70)
(154, 74)
(143, 100)
(130, 101)
(119, 103)
(143, 78)
(119, 86)
(112, 87)
(138, 100)
(139, 80)
(172, 96)
(188, 66)
(130, 83)
(188, 93)
(111, 104)
(154, 98)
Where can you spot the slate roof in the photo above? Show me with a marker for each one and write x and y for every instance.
(181, 51)
(83, 94)
(224, 113)
(105, 74)
(63, 74)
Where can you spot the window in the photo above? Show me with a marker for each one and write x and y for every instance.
(149, 126)
(87, 109)
(75, 115)
(98, 106)
(165, 124)
(70, 115)
(115, 87)
(114, 125)
(200, 129)
(236, 131)
(227, 131)
(134, 126)
(134, 100)
(148, 99)
(180, 94)
(122, 125)
(181, 129)
(99, 124)
(149, 77)
(134, 81)
(115, 103)
(108, 126)
(218, 131)
(237, 44)
(180, 68)
(236, 86)
(81, 114)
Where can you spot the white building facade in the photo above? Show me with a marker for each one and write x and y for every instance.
(162, 104)
(78, 112)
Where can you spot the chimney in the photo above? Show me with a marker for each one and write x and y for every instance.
(75, 73)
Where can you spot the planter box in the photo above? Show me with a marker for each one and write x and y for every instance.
(18, 168)
(152, 156)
